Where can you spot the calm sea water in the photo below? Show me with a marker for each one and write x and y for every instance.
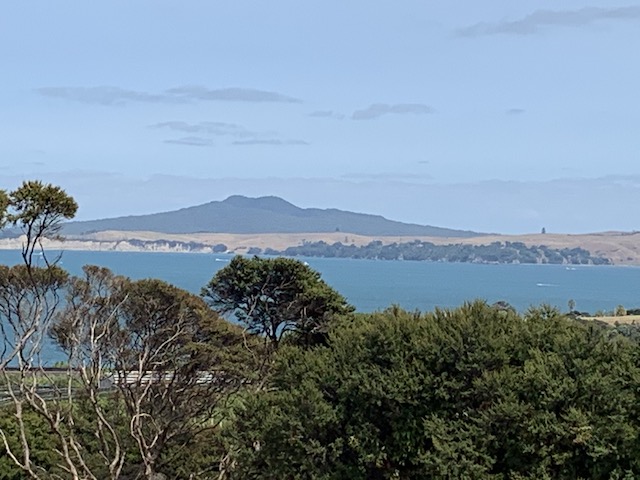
(371, 285)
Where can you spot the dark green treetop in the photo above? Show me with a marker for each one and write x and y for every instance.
(274, 296)
(473, 393)
(38, 209)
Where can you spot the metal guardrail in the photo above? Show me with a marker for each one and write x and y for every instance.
(109, 383)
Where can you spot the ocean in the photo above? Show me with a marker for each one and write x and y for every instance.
(376, 284)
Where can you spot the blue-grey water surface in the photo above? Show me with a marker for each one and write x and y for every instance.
(376, 284)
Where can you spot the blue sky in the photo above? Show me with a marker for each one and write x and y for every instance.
(495, 116)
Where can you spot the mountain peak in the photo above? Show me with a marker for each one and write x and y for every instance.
(269, 214)
(271, 203)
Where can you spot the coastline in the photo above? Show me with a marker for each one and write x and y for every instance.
(620, 247)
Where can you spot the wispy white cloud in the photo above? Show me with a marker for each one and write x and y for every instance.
(210, 128)
(327, 114)
(539, 19)
(196, 92)
(387, 176)
(379, 109)
(270, 141)
(114, 96)
(191, 141)
(105, 95)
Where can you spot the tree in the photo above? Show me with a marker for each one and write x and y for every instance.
(149, 369)
(276, 296)
(173, 358)
(38, 210)
(172, 363)
(29, 299)
(148, 366)
(29, 294)
(472, 392)
(544, 311)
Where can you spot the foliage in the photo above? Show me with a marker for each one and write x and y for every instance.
(219, 248)
(41, 441)
(173, 364)
(4, 205)
(620, 311)
(275, 296)
(496, 252)
(29, 297)
(474, 392)
(148, 369)
(171, 244)
(38, 210)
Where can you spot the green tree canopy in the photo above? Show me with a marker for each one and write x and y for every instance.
(38, 209)
(468, 393)
(173, 360)
(274, 296)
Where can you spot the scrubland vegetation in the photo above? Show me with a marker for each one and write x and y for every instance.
(495, 252)
(160, 383)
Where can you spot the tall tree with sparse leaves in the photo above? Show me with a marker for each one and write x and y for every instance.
(38, 209)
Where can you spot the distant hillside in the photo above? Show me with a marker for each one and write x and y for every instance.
(243, 215)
